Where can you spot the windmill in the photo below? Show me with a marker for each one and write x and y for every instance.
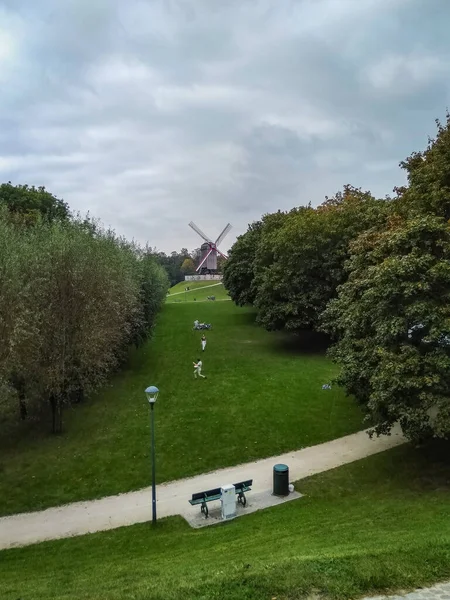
(209, 250)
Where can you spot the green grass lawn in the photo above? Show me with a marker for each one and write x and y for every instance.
(198, 292)
(377, 525)
(262, 397)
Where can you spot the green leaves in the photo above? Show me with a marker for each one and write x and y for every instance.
(390, 319)
(27, 204)
(72, 298)
(238, 270)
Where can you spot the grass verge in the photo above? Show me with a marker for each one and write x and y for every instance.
(262, 397)
(377, 525)
(198, 292)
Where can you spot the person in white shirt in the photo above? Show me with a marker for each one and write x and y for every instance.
(203, 342)
(196, 323)
(198, 369)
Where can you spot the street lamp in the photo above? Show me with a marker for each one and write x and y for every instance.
(152, 393)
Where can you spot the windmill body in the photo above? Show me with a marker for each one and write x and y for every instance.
(209, 250)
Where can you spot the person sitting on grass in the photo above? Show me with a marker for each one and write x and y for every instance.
(198, 369)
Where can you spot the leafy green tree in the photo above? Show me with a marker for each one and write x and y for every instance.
(238, 270)
(391, 320)
(188, 266)
(428, 189)
(72, 298)
(27, 204)
(306, 255)
(153, 286)
(172, 264)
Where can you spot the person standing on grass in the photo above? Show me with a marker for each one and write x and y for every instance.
(203, 342)
(198, 369)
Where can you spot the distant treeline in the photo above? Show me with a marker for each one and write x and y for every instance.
(375, 275)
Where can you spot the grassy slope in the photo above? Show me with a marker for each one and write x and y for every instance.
(260, 399)
(198, 292)
(379, 524)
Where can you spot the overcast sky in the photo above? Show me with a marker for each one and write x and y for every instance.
(151, 113)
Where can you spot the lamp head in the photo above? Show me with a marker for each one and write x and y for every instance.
(152, 393)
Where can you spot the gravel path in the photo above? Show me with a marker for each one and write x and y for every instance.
(172, 498)
(441, 591)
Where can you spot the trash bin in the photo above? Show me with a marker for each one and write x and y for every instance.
(281, 480)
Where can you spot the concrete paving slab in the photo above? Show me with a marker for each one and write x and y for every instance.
(255, 502)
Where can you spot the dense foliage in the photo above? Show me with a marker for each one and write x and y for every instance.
(375, 275)
(27, 204)
(176, 264)
(392, 322)
(72, 298)
(238, 271)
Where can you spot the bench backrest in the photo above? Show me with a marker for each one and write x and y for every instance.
(206, 494)
(198, 496)
(217, 491)
(243, 484)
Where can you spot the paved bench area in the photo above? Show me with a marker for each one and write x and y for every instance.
(255, 501)
(441, 591)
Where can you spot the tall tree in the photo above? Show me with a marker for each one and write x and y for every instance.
(428, 189)
(71, 300)
(188, 266)
(238, 270)
(392, 322)
(307, 255)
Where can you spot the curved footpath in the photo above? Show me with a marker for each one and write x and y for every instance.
(80, 518)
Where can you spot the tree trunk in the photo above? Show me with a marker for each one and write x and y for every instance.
(18, 384)
(56, 408)
(23, 407)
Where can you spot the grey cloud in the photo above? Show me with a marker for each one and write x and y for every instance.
(152, 114)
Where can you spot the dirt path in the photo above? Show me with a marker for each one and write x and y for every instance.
(172, 498)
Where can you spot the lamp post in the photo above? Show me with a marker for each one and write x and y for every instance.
(152, 393)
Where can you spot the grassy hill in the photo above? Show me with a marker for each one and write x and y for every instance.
(380, 524)
(262, 397)
(198, 292)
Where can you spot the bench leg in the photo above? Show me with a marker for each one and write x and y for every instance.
(242, 499)
(204, 509)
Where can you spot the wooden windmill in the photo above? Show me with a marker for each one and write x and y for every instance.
(209, 250)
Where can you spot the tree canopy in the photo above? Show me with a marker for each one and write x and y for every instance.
(238, 270)
(392, 322)
(27, 203)
(72, 299)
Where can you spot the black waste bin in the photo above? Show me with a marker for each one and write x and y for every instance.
(281, 480)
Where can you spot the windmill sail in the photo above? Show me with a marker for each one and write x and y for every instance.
(209, 250)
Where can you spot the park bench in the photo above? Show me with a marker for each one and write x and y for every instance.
(204, 497)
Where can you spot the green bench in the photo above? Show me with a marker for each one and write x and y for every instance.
(204, 497)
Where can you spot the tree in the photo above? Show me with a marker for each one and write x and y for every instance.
(27, 204)
(306, 255)
(72, 298)
(172, 264)
(391, 320)
(238, 270)
(428, 172)
(188, 266)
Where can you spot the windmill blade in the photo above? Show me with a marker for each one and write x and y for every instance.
(204, 260)
(222, 254)
(223, 234)
(199, 231)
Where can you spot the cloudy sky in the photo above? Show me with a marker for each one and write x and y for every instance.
(151, 113)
